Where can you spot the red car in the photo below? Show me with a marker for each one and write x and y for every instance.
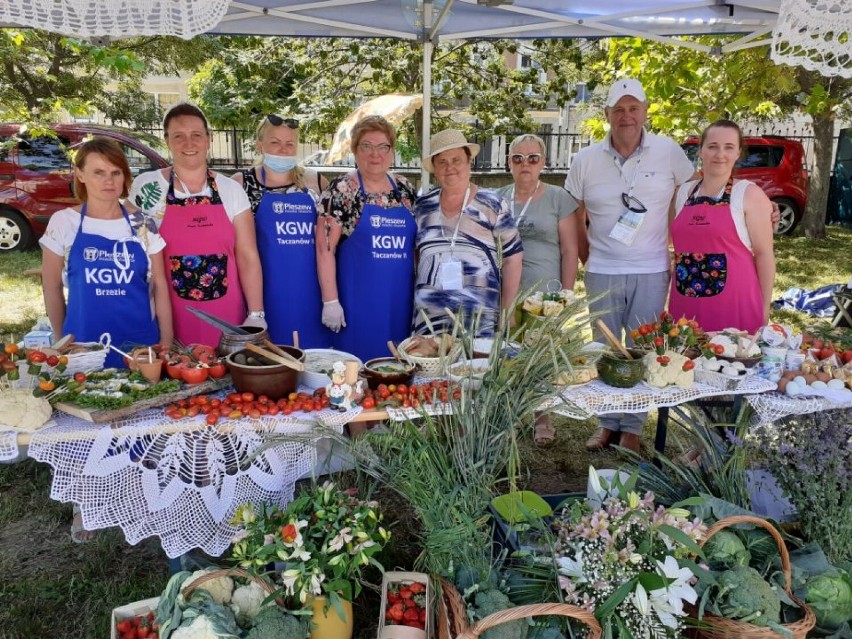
(36, 176)
(777, 165)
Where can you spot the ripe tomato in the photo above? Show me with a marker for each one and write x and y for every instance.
(254, 413)
(36, 357)
(10, 349)
(273, 410)
(174, 369)
(368, 403)
(192, 375)
(79, 377)
(248, 397)
(52, 360)
(217, 370)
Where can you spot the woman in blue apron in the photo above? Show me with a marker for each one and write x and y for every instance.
(365, 247)
(108, 257)
(283, 199)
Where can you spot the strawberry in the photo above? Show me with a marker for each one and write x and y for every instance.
(411, 615)
(396, 612)
(123, 626)
(417, 587)
(406, 593)
(422, 616)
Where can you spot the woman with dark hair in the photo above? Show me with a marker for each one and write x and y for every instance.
(205, 219)
(722, 236)
(108, 256)
(284, 196)
(365, 247)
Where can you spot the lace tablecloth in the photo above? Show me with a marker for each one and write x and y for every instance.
(8, 445)
(180, 481)
(770, 407)
(596, 398)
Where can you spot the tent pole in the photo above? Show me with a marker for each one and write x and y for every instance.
(427, 89)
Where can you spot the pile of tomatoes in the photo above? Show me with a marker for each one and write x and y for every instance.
(139, 627)
(406, 605)
(403, 396)
(239, 405)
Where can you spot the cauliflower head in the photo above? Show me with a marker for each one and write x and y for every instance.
(246, 602)
(20, 409)
(220, 588)
(200, 628)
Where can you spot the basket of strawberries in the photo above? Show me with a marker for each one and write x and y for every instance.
(406, 599)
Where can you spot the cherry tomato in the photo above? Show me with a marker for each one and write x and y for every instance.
(274, 410)
(52, 360)
(368, 403)
(211, 419)
(79, 377)
(254, 413)
(235, 398)
(248, 397)
(262, 399)
(46, 385)
(36, 357)
(11, 349)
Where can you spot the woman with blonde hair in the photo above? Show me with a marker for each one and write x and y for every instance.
(284, 196)
(365, 247)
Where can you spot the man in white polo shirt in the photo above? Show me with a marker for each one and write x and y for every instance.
(625, 184)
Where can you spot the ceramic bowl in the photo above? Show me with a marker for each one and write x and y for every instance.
(392, 372)
(615, 370)
(271, 379)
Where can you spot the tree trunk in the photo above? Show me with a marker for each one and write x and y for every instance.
(813, 222)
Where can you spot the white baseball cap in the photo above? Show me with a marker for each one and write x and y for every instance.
(625, 86)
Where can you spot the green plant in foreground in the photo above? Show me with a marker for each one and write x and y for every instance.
(449, 467)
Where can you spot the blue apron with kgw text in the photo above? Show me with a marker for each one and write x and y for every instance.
(285, 224)
(375, 279)
(108, 291)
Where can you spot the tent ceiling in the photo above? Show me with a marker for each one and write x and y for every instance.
(457, 19)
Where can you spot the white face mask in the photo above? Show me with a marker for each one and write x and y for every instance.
(279, 163)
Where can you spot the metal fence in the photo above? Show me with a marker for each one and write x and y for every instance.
(234, 148)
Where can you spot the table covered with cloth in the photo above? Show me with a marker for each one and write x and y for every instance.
(179, 481)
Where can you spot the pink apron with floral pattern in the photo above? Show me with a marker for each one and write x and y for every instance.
(201, 264)
(715, 277)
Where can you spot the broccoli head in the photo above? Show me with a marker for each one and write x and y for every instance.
(745, 595)
(493, 600)
(272, 621)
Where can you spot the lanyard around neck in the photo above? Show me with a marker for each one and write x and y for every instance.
(458, 221)
(526, 206)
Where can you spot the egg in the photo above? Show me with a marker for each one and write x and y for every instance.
(823, 377)
(835, 384)
(801, 381)
(782, 384)
(730, 371)
(790, 374)
(738, 365)
(793, 389)
(818, 385)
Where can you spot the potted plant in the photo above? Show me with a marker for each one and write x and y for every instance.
(318, 546)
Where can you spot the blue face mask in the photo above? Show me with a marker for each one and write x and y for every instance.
(279, 163)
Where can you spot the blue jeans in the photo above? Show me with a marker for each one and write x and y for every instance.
(624, 302)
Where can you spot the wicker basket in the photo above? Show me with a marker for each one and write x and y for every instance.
(77, 363)
(431, 366)
(724, 628)
(230, 572)
(452, 616)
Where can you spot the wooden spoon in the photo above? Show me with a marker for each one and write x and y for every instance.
(291, 362)
(296, 339)
(612, 339)
(394, 351)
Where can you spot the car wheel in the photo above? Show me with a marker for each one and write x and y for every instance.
(790, 215)
(15, 233)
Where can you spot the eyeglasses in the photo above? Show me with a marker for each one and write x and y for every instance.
(632, 204)
(277, 120)
(366, 147)
(532, 158)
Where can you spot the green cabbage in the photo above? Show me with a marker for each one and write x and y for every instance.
(725, 550)
(830, 597)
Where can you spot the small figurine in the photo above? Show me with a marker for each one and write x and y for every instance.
(339, 392)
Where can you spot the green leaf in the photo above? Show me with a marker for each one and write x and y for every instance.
(603, 611)
(682, 538)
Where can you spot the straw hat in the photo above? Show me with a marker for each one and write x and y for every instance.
(444, 141)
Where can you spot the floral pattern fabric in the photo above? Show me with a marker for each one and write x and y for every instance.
(199, 277)
(343, 201)
(700, 274)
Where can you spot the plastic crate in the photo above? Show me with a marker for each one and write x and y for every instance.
(505, 538)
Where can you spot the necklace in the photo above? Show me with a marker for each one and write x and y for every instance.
(183, 186)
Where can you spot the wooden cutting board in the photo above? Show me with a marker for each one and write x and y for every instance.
(101, 416)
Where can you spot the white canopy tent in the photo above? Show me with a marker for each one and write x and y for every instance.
(815, 27)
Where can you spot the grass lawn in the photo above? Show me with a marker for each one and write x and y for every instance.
(51, 587)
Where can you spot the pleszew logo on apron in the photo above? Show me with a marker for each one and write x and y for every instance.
(378, 221)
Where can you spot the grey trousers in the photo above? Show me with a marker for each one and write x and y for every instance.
(624, 302)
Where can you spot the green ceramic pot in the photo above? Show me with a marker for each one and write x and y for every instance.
(615, 370)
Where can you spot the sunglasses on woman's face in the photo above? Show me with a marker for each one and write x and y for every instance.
(532, 158)
(632, 204)
(277, 120)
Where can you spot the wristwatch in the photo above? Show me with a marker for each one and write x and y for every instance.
(257, 314)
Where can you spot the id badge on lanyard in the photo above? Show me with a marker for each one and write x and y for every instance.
(629, 222)
(451, 270)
